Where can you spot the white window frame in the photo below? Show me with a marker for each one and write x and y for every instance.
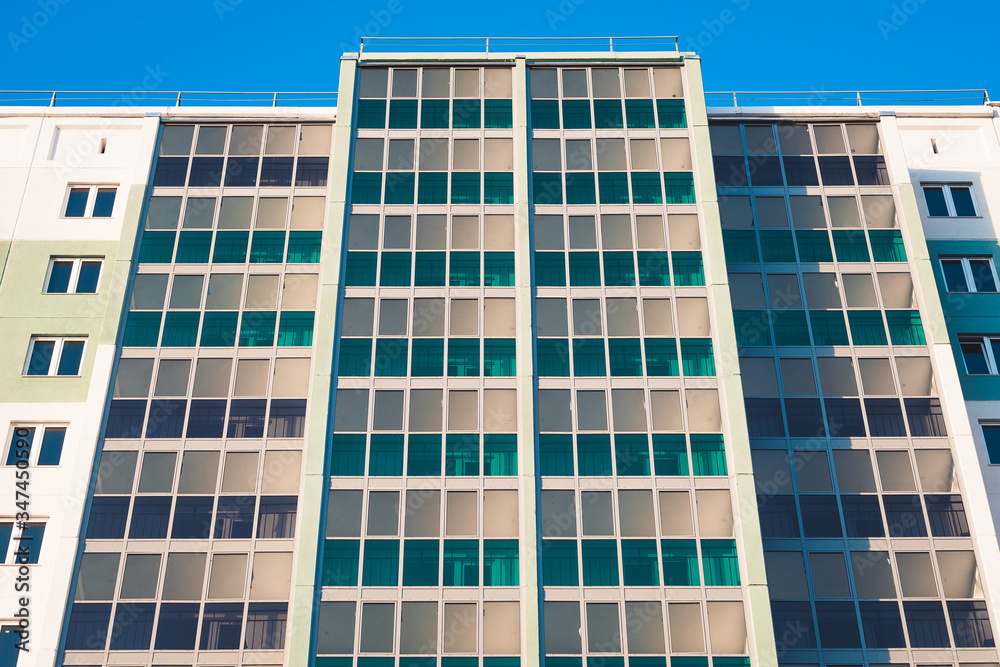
(948, 200)
(967, 269)
(36, 441)
(10, 556)
(985, 345)
(56, 354)
(74, 275)
(983, 425)
(92, 189)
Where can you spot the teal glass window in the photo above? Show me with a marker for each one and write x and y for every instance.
(381, 563)
(866, 327)
(670, 454)
(887, 245)
(588, 357)
(498, 114)
(366, 188)
(612, 187)
(500, 563)
(680, 563)
(432, 188)
(420, 563)
(230, 247)
(360, 269)
(639, 563)
(434, 114)
(463, 357)
(576, 114)
(340, 562)
(424, 455)
(753, 328)
(828, 327)
(180, 330)
(347, 455)
(593, 454)
(498, 188)
(371, 114)
(904, 327)
(355, 358)
(678, 187)
(584, 269)
(708, 454)
(464, 187)
(600, 562)
(142, 329)
(390, 357)
(608, 114)
(790, 327)
(546, 188)
(395, 269)
(156, 247)
(550, 269)
(559, 563)
(661, 357)
(498, 269)
(718, 558)
(428, 357)
(654, 268)
(461, 455)
(296, 329)
(194, 247)
(632, 454)
(646, 188)
(639, 113)
(555, 454)
(429, 269)
(740, 246)
(499, 454)
(304, 247)
(385, 455)
(696, 357)
(399, 187)
(464, 270)
(219, 329)
(402, 114)
(467, 114)
(814, 245)
(625, 357)
(267, 247)
(671, 113)
(461, 563)
(499, 357)
(688, 268)
(553, 357)
(545, 114)
(730, 661)
(776, 245)
(580, 188)
(850, 245)
(257, 329)
(619, 269)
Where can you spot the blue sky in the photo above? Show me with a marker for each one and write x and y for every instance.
(265, 46)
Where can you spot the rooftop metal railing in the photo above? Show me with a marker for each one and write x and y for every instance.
(153, 98)
(516, 44)
(753, 98)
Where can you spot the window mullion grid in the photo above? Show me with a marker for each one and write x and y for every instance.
(74, 276)
(991, 360)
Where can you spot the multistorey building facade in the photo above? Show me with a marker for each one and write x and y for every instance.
(507, 360)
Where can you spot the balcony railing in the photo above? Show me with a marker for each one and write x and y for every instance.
(154, 98)
(773, 98)
(516, 44)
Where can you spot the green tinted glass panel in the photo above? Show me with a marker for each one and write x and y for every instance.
(360, 269)
(600, 562)
(887, 245)
(654, 268)
(230, 247)
(467, 114)
(395, 269)
(719, 560)
(625, 356)
(156, 247)
(498, 269)
(399, 187)
(545, 114)
(850, 245)
(593, 454)
(267, 247)
(461, 563)
(546, 188)
(584, 269)
(639, 563)
(385, 455)
(814, 245)
(194, 247)
(555, 454)
(708, 454)
(420, 563)
(498, 188)
(219, 329)
(612, 187)
(429, 269)
(904, 327)
(680, 562)
(553, 357)
(347, 455)
(646, 188)
(696, 357)
(424, 455)
(790, 327)
(340, 562)
(688, 268)
(464, 269)
(257, 329)
(639, 113)
(381, 563)
(678, 187)
(550, 269)
(295, 329)
(461, 454)
(559, 563)
(428, 357)
(180, 330)
(141, 329)
(588, 357)
(661, 357)
(432, 188)
(499, 454)
(500, 563)
(371, 114)
(828, 327)
(776, 246)
(866, 327)
(499, 357)
(434, 114)
(304, 247)
(753, 328)
(580, 189)
(391, 355)
(498, 114)
(608, 114)
(402, 114)
(619, 269)
(632, 454)
(366, 188)
(355, 358)
(463, 357)
(671, 113)
(670, 454)
(740, 246)
(576, 114)
(464, 187)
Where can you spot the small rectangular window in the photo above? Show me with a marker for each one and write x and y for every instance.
(21, 546)
(980, 354)
(950, 200)
(90, 201)
(969, 274)
(72, 276)
(36, 444)
(54, 356)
